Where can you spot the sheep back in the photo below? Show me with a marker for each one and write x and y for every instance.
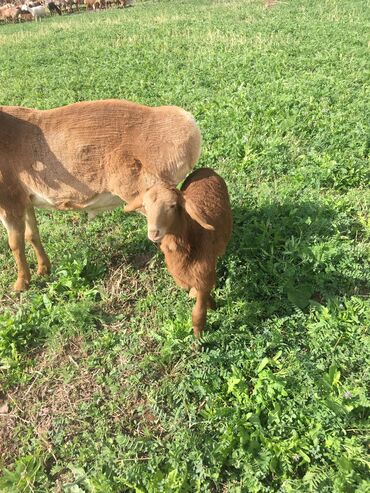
(208, 192)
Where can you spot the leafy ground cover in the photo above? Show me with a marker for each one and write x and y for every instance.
(101, 390)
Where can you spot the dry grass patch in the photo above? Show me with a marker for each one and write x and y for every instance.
(39, 403)
(122, 285)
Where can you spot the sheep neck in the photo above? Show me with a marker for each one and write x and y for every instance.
(179, 239)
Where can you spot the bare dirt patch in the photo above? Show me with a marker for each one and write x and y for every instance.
(123, 286)
(37, 404)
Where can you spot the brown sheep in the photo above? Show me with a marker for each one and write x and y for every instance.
(89, 4)
(94, 4)
(193, 227)
(85, 156)
(9, 13)
(25, 16)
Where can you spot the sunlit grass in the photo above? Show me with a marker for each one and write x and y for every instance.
(102, 390)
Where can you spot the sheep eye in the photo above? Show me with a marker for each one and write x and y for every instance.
(172, 206)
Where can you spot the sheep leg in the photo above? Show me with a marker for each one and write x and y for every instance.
(32, 235)
(199, 313)
(15, 227)
(211, 304)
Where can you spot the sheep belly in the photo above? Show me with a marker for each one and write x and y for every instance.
(99, 203)
(102, 202)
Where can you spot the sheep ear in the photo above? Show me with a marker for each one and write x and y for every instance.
(135, 203)
(196, 215)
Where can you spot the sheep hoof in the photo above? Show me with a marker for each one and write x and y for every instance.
(198, 333)
(21, 284)
(43, 269)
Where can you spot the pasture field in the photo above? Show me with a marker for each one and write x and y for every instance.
(101, 389)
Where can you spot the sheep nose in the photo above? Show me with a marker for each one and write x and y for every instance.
(153, 234)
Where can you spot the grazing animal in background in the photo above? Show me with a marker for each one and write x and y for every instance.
(69, 5)
(94, 4)
(54, 9)
(85, 156)
(99, 4)
(9, 13)
(37, 12)
(73, 4)
(193, 227)
(89, 4)
(25, 16)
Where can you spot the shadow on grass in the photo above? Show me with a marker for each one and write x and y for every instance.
(280, 257)
(278, 252)
(288, 254)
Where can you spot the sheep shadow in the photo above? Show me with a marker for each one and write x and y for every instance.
(281, 256)
(286, 255)
(34, 150)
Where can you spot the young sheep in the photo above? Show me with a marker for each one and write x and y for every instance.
(37, 12)
(193, 227)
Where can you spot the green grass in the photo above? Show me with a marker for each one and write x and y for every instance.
(101, 388)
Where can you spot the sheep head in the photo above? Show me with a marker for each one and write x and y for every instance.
(165, 207)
